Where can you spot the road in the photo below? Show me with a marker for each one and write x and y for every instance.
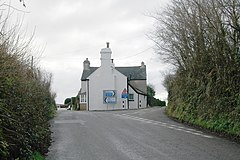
(145, 134)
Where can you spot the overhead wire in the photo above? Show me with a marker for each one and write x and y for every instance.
(121, 58)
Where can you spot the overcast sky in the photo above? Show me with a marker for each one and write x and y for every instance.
(70, 31)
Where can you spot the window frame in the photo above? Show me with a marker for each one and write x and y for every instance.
(83, 98)
(131, 97)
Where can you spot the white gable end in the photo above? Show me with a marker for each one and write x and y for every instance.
(103, 87)
(106, 79)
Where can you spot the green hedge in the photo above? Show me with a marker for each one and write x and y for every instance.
(201, 38)
(26, 102)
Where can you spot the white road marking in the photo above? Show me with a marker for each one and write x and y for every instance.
(69, 121)
(163, 124)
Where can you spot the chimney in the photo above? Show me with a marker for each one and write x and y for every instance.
(106, 60)
(142, 65)
(113, 65)
(86, 64)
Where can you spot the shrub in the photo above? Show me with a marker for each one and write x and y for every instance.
(26, 100)
(201, 38)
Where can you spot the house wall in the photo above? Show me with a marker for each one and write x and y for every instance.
(83, 86)
(133, 104)
(106, 78)
(110, 79)
(140, 101)
(83, 106)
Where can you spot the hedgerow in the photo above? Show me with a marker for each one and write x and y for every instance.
(202, 39)
(26, 100)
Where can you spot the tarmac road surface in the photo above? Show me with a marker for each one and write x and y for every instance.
(145, 134)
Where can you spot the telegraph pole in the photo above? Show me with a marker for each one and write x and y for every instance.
(32, 62)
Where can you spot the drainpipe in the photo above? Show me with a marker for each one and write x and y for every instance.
(128, 80)
(128, 94)
(88, 95)
(138, 101)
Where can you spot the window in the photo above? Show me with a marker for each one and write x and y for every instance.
(131, 97)
(83, 98)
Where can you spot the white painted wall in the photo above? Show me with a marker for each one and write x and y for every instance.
(83, 86)
(106, 79)
(133, 104)
(138, 99)
(142, 101)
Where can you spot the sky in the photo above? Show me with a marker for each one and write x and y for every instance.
(66, 32)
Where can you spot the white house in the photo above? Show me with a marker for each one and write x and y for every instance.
(112, 88)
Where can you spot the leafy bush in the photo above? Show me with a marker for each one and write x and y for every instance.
(67, 101)
(26, 101)
(37, 156)
(152, 101)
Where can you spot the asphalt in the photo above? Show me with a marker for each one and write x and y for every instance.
(145, 134)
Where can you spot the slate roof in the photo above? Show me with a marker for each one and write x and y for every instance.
(87, 73)
(138, 90)
(133, 73)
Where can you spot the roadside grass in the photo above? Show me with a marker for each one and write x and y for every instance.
(37, 156)
(221, 127)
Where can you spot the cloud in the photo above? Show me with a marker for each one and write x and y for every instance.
(72, 30)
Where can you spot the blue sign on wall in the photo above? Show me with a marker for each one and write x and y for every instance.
(124, 93)
(110, 93)
(109, 96)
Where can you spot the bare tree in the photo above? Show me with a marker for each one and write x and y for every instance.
(202, 39)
